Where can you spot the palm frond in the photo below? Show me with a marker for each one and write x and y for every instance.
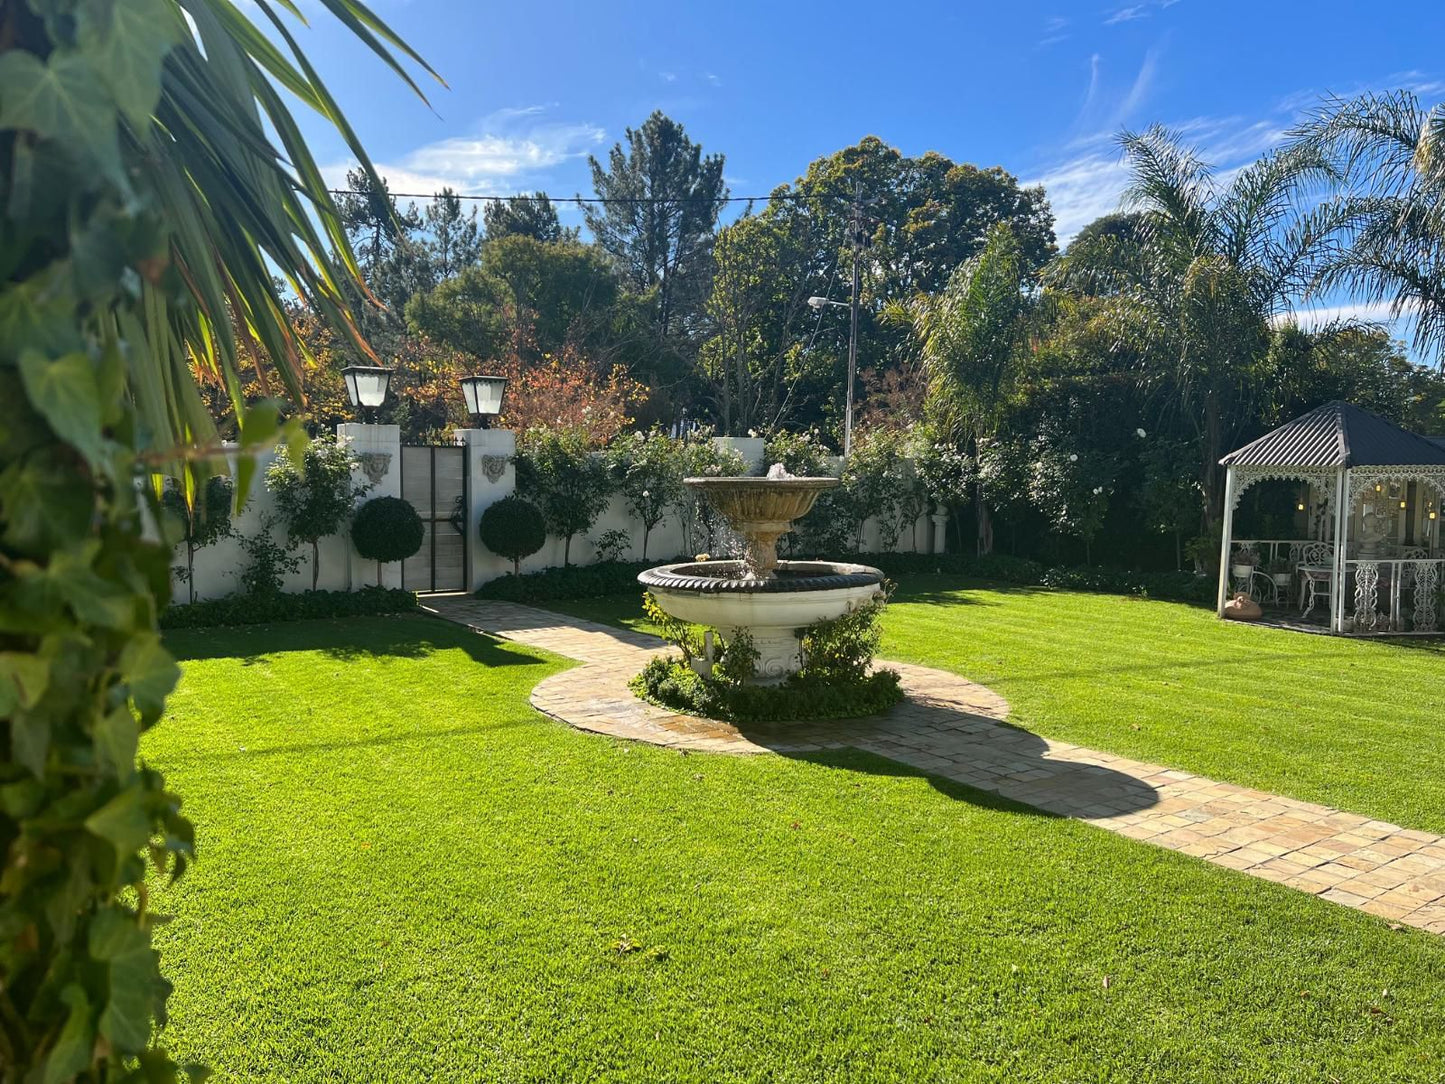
(1171, 184)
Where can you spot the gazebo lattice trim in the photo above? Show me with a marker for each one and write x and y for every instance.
(1364, 478)
(1321, 481)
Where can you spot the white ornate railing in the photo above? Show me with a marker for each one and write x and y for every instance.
(1268, 550)
(1393, 596)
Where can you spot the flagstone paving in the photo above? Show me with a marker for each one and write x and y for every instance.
(955, 729)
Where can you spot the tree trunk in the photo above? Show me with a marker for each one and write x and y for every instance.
(646, 530)
(516, 566)
(567, 551)
(378, 575)
(983, 521)
(315, 562)
(190, 571)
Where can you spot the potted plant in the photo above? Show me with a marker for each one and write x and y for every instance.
(1280, 571)
(1243, 563)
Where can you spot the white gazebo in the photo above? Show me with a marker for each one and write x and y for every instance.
(1368, 557)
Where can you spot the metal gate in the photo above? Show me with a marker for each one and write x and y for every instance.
(434, 481)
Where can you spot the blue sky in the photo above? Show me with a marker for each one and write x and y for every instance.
(1038, 88)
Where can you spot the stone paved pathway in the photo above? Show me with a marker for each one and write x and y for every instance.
(955, 729)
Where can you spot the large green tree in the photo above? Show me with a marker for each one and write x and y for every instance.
(523, 298)
(154, 183)
(1194, 282)
(533, 216)
(971, 335)
(919, 220)
(1389, 154)
(662, 199)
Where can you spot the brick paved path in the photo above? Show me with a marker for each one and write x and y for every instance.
(952, 728)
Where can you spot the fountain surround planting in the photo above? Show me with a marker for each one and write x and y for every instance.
(773, 600)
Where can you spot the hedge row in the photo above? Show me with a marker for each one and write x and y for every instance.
(620, 577)
(568, 581)
(306, 605)
(1171, 586)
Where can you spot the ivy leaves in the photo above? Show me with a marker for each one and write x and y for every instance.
(127, 41)
(64, 390)
(72, 96)
(62, 98)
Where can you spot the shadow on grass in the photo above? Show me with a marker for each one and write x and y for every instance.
(350, 639)
(967, 756)
(858, 762)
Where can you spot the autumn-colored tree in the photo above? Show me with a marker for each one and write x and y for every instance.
(567, 391)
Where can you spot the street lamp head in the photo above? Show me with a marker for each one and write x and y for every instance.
(817, 304)
(483, 394)
(366, 384)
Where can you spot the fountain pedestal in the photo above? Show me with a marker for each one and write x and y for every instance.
(774, 601)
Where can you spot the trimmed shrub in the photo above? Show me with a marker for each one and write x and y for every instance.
(834, 682)
(314, 493)
(567, 581)
(513, 528)
(206, 521)
(386, 529)
(309, 605)
(570, 481)
(672, 684)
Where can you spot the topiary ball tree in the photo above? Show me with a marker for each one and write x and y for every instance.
(514, 528)
(386, 529)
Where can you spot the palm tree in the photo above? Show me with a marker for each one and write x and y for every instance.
(1389, 153)
(1192, 284)
(153, 184)
(970, 336)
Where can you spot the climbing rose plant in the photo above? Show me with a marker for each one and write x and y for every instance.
(152, 183)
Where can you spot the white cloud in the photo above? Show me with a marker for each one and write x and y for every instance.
(1081, 190)
(1087, 180)
(712, 79)
(1139, 90)
(515, 148)
(1055, 29)
(1127, 14)
(1365, 312)
(667, 77)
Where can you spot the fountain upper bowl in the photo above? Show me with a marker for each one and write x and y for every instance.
(731, 577)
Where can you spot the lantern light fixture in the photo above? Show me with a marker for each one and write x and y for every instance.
(366, 384)
(483, 395)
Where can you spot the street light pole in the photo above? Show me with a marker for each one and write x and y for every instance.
(855, 227)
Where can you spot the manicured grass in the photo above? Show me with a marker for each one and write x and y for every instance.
(407, 874)
(1357, 724)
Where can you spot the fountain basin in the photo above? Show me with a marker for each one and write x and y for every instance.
(727, 595)
(762, 510)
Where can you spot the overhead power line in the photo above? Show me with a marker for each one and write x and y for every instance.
(519, 197)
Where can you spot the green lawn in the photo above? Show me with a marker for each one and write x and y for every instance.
(1356, 724)
(407, 874)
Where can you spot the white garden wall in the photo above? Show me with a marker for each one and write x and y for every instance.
(491, 477)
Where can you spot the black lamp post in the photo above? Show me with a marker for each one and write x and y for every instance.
(484, 396)
(366, 385)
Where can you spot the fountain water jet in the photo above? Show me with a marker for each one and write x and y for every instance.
(773, 600)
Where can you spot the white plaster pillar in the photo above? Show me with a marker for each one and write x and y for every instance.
(1228, 537)
(939, 520)
(1343, 513)
(378, 451)
(491, 475)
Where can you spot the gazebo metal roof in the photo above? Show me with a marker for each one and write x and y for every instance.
(1339, 435)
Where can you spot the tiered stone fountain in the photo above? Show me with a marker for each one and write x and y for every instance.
(773, 600)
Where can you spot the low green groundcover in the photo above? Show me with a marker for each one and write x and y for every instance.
(242, 609)
(671, 683)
